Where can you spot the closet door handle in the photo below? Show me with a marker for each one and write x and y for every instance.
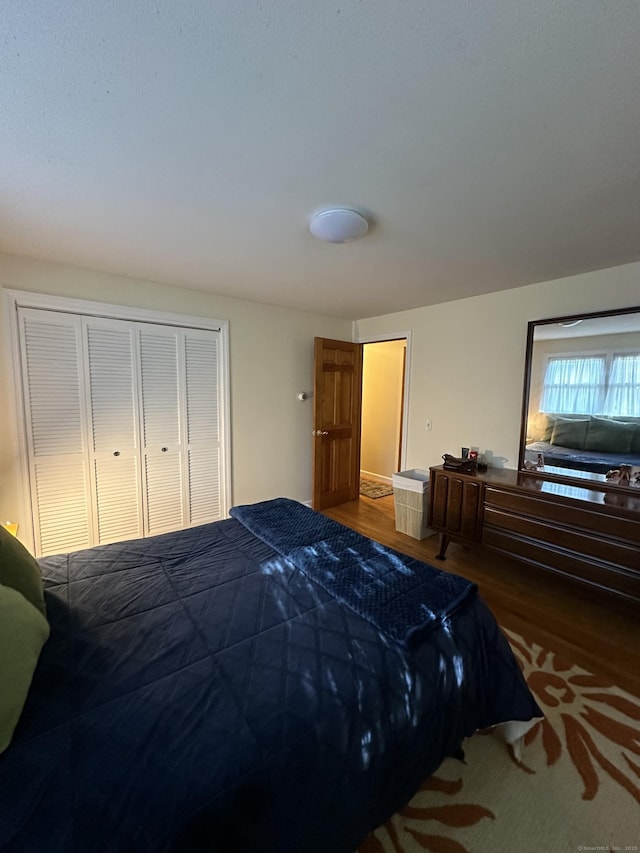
(164, 449)
(116, 453)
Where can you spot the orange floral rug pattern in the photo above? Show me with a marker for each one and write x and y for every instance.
(583, 704)
(577, 784)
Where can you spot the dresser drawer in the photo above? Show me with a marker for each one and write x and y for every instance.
(605, 575)
(535, 506)
(556, 534)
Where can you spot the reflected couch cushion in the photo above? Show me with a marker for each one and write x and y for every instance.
(609, 436)
(570, 432)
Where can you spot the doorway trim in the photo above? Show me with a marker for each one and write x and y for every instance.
(396, 336)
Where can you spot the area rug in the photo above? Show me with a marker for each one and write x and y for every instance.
(576, 787)
(371, 489)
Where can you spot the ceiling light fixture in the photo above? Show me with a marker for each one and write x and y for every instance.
(338, 225)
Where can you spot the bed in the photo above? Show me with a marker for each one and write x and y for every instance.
(270, 682)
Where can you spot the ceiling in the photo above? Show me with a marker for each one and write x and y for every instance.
(493, 144)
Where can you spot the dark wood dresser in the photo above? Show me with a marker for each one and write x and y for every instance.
(589, 535)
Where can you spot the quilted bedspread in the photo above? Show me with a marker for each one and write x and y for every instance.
(401, 596)
(200, 692)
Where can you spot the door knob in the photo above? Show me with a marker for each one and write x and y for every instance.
(320, 432)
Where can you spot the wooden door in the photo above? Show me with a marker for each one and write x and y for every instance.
(336, 422)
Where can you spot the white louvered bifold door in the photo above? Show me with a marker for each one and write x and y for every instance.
(110, 352)
(56, 430)
(202, 426)
(162, 475)
(123, 427)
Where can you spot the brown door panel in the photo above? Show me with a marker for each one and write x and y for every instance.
(336, 424)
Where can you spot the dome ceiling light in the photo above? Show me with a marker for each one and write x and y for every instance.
(338, 225)
(570, 323)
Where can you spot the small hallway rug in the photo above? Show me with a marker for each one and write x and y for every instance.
(372, 489)
(576, 787)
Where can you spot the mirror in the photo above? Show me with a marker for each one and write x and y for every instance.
(581, 403)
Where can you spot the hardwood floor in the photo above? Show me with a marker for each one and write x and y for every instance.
(591, 631)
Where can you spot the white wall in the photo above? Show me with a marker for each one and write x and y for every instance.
(467, 360)
(271, 360)
(467, 367)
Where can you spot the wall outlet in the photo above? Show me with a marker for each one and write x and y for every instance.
(428, 424)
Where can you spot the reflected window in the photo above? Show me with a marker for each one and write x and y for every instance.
(592, 385)
(623, 393)
(574, 385)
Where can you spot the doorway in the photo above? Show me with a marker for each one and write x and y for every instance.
(337, 417)
(383, 409)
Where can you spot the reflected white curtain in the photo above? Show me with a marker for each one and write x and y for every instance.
(623, 393)
(574, 385)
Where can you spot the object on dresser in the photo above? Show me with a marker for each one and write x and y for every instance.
(625, 475)
(454, 463)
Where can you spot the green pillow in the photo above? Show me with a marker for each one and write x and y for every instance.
(609, 436)
(635, 439)
(548, 429)
(570, 432)
(23, 633)
(19, 570)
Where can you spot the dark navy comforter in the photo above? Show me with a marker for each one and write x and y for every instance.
(199, 692)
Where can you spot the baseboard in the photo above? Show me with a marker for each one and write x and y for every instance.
(306, 503)
(371, 475)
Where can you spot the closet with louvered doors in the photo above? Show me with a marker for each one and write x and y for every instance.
(122, 424)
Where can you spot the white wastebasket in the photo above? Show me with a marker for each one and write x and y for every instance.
(411, 502)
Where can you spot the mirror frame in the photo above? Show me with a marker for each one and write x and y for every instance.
(598, 485)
